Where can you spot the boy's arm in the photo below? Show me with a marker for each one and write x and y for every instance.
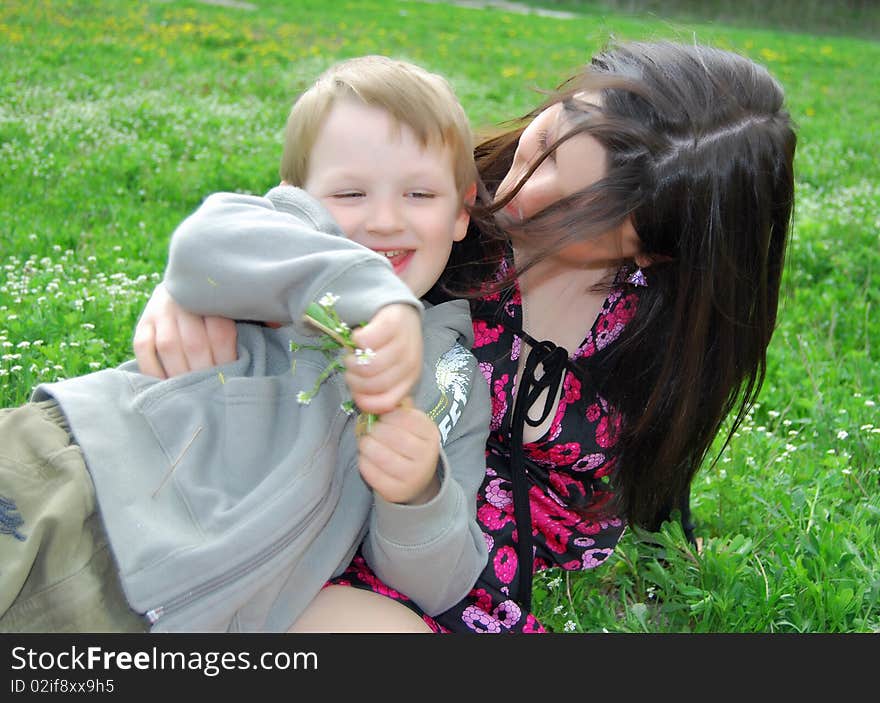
(255, 258)
(434, 552)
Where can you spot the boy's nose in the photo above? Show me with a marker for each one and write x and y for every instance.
(385, 216)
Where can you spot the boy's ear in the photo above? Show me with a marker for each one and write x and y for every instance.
(464, 217)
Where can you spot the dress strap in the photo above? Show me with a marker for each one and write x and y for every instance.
(554, 362)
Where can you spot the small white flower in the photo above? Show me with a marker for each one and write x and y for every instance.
(555, 583)
(88, 326)
(557, 610)
(328, 300)
(870, 403)
(303, 398)
(570, 626)
(364, 356)
(843, 434)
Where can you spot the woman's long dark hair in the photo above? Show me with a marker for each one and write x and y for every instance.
(700, 158)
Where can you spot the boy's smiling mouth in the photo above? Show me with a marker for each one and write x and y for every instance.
(398, 258)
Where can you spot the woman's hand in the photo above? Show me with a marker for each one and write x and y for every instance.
(169, 341)
(394, 338)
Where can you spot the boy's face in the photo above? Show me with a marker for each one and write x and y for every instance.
(386, 191)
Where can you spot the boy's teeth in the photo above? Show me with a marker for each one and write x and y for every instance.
(392, 254)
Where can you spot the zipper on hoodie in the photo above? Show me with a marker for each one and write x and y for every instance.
(218, 582)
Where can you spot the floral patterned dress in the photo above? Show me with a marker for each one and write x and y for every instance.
(556, 476)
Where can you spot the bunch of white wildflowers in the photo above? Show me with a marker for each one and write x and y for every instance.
(336, 342)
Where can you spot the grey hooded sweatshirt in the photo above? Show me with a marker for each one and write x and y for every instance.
(227, 503)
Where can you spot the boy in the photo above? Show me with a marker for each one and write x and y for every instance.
(226, 501)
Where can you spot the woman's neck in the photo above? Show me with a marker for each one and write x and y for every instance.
(561, 301)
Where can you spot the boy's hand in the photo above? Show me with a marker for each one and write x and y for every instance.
(394, 336)
(398, 458)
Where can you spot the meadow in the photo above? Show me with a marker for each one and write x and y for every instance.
(117, 118)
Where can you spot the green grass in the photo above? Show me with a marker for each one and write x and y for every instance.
(832, 17)
(117, 118)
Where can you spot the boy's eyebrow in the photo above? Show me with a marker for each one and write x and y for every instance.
(358, 174)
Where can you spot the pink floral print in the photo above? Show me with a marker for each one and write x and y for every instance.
(565, 473)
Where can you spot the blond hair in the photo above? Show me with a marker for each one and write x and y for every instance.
(412, 96)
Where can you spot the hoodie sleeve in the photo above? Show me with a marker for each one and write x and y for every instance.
(434, 552)
(266, 258)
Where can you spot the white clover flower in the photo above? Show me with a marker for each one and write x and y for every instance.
(303, 398)
(364, 356)
(870, 403)
(328, 300)
(843, 434)
(88, 326)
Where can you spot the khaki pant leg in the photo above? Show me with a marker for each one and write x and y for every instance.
(56, 570)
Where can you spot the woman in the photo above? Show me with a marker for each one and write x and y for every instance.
(626, 293)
